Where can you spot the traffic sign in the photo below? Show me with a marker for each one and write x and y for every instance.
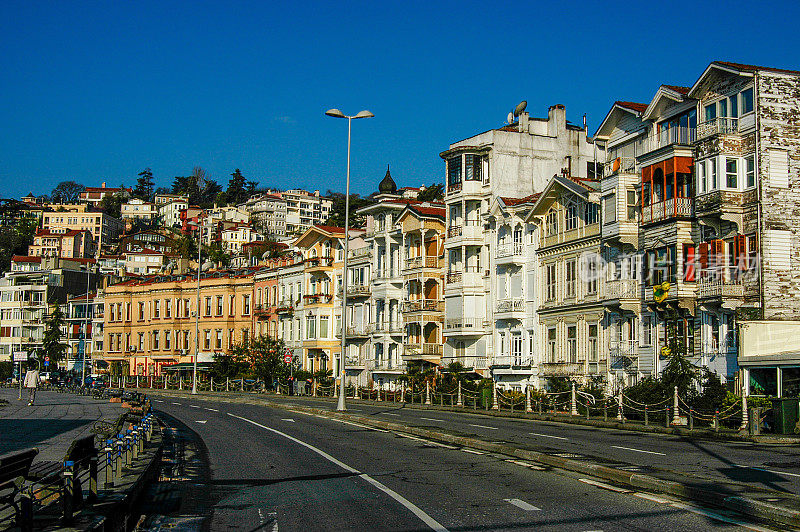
(287, 358)
(20, 356)
(46, 362)
(47, 358)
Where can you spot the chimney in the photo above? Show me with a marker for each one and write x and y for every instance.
(556, 120)
(103, 185)
(523, 122)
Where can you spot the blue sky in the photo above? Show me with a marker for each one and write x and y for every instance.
(97, 91)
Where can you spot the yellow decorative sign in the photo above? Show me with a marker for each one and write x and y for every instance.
(666, 351)
(660, 292)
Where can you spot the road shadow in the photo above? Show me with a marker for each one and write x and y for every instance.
(18, 434)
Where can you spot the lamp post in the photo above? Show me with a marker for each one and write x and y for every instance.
(197, 313)
(338, 114)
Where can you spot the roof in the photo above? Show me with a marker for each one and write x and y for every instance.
(753, 68)
(517, 201)
(634, 106)
(678, 88)
(730, 66)
(330, 228)
(105, 189)
(438, 212)
(23, 258)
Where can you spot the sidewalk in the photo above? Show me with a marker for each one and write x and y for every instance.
(52, 423)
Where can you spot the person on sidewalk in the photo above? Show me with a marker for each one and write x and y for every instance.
(31, 382)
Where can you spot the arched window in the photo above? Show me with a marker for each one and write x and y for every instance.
(518, 234)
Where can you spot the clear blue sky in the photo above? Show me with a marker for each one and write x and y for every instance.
(97, 91)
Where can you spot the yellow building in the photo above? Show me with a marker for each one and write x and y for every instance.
(150, 323)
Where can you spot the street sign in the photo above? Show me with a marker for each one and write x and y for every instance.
(46, 362)
(47, 358)
(287, 358)
(20, 356)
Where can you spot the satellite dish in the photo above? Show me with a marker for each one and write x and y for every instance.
(520, 108)
(510, 118)
(206, 266)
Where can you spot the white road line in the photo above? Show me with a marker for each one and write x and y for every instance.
(432, 419)
(525, 464)
(483, 427)
(211, 409)
(718, 517)
(436, 443)
(471, 451)
(288, 419)
(193, 406)
(176, 404)
(390, 414)
(603, 485)
(637, 450)
(203, 421)
(359, 425)
(773, 471)
(523, 505)
(158, 400)
(425, 518)
(547, 436)
(652, 498)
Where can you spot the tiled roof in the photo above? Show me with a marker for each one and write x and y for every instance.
(428, 211)
(678, 89)
(330, 228)
(23, 258)
(753, 68)
(517, 201)
(638, 107)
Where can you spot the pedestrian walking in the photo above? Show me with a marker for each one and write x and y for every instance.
(31, 382)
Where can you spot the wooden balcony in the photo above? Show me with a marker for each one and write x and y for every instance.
(672, 208)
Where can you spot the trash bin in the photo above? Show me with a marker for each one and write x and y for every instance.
(786, 413)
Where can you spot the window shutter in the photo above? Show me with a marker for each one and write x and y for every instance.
(702, 259)
(778, 168)
(688, 263)
(673, 263)
(740, 247)
(778, 247)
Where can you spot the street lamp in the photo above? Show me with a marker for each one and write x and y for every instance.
(338, 114)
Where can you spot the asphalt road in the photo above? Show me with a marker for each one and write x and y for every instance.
(254, 468)
(774, 467)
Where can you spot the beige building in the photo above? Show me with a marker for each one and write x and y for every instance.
(72, 244)
(150, 323)
(105, 229)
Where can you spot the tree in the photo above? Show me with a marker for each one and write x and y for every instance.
(263, 356)
(51, 343)
(336, 217)
(250, 188)
(186, 247)
(144, 185)
(217, 255)
(435, 192)
(14, 240)
(236, 188)
(162, 190)
(67, 192)
(111, 204)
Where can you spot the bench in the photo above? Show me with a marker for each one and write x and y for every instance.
(14, 469)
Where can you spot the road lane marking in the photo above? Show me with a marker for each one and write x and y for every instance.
(652, 498)
(390, 414)
(773, 471)
(523, 505)
(637, 450)
(472, 451)
(158, 400)
(193, 406)
(525, 464)
(425, 518)
(359, 425)
(288, 419)
(176, 404)
(547, 436)
(430, 442)
(203, 421)
(432, 419)
(483, 427)
(211, 409)
(718, 517)
(603, 485)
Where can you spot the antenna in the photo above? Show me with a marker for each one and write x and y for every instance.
(520, 107)
(510, 118)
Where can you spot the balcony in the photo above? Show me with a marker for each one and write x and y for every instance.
(583, 231)
(423, 305)
(313, 264)
(718, 126)
(415, 263)
(621, 289)
(465, 231)
(510, 306)
(620, 165)
(359, 252)
(356, 290)
(285, 307)
(353, 363)
(463, 326)
(422, 350)
(511, 362)
(356, 331)
(317, 299)
(512, 252)
(382, 327)
(710, 287)
(470, 186)
(667, 210)
(562, 369)
(471, 278)
(683, 136)
(624, 348)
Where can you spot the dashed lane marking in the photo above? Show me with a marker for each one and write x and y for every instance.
(211, 409)
(471, 451)
(288, 419)
(603, 485)
(718, 517)
(432, 419)
(483, 427)
(652, 498)
(203, 421)
(176, 404)
(193, 406)
(547, 436)
(525, 464)
(390, 414)
(637, 450)
(359, 425)
(158, 400)
(773, 471)
(424, 517)
(519, 503)
(429, 442)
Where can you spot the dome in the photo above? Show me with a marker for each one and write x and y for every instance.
(387, 184)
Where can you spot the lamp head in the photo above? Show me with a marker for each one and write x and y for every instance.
(364, 114)
(335, 113)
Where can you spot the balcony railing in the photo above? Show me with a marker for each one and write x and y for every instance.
(509, 250)
(386, 326)
(621, 289)
(454, 231)
(511, 305)
(721, 125)
(427, 305)
(677, 135)
(624, 348)
(354, 331)
(626, 165)
(357, 290)
(514, 361)
(285, 307)
(423, 348)
(463, 323)
(313, 262)
(709, 287)
(359, 252)
(454, 277)
(582, 231)
(562, 368)
(671, 208)
(317, 298)
(421, 262)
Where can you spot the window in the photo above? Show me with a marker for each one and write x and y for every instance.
(473, 168)
(592, 343)
(731, 173)
(610, 209)
(311, 327)
(552, 223)
(141, 342)
(572, 343)
(746, 100)
(168, 308)
(219, 305)
(551, 344)
(571, 217)
(186, 337)
(454, 171)
(167, 340)
(633, 205)
(141, 310)
(710, 112)
(702, 179)
(231, 305)
(208, 306)
(647, 332)
(551, 283)
(733, 105)
(750, 171)
(778, 161)
(231, 338)
(591, 213)
(569, 286)
(590, 272)
(323, 326)
(156, 308)
(516, 348)
(713, 172)
(155, 340)
(218, 343)
(207, 339)
(246, 305)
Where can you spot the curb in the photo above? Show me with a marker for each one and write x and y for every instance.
(743, 505)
